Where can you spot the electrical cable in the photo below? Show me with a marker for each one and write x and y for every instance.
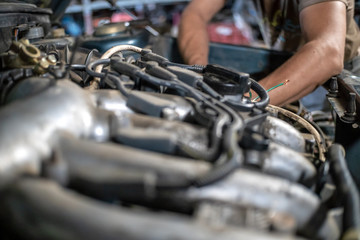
(233, 126)
(136, 72)
(272, 88)
(232, 130)
(119, 84)
(174, 83)
(147, 55)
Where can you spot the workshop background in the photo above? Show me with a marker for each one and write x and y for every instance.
(105, 133)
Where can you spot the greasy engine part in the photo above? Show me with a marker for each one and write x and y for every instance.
(344, 97)
(22, 20)
(147, 134)
(84, 218)
(22, 54)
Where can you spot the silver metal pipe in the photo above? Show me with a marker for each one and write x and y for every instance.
(28, 126)
(251, 189)
(285, 162)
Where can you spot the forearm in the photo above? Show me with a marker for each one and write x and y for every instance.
(323, 27)
(310, 67)
(193, 39)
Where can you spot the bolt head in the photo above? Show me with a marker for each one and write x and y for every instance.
(51, 59)
(44, 63)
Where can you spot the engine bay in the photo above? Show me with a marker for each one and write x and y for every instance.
(127, 144)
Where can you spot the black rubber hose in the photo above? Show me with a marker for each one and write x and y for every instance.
(134, 71)
(91, 66)
(118, 83)
(264, 96)
(207, 89)
(154, 70)
(261, 92)
(220, 172)
(165, 83)
(78, 67)
(348, 191)
(232, 152)
(147, 55)
(114, 79)
(212, 152)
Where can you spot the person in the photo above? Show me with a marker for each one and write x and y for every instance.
(322, 33)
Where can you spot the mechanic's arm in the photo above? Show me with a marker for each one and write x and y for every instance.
(193, 37)
(324, 29)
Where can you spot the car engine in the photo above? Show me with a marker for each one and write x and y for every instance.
(127, 144)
